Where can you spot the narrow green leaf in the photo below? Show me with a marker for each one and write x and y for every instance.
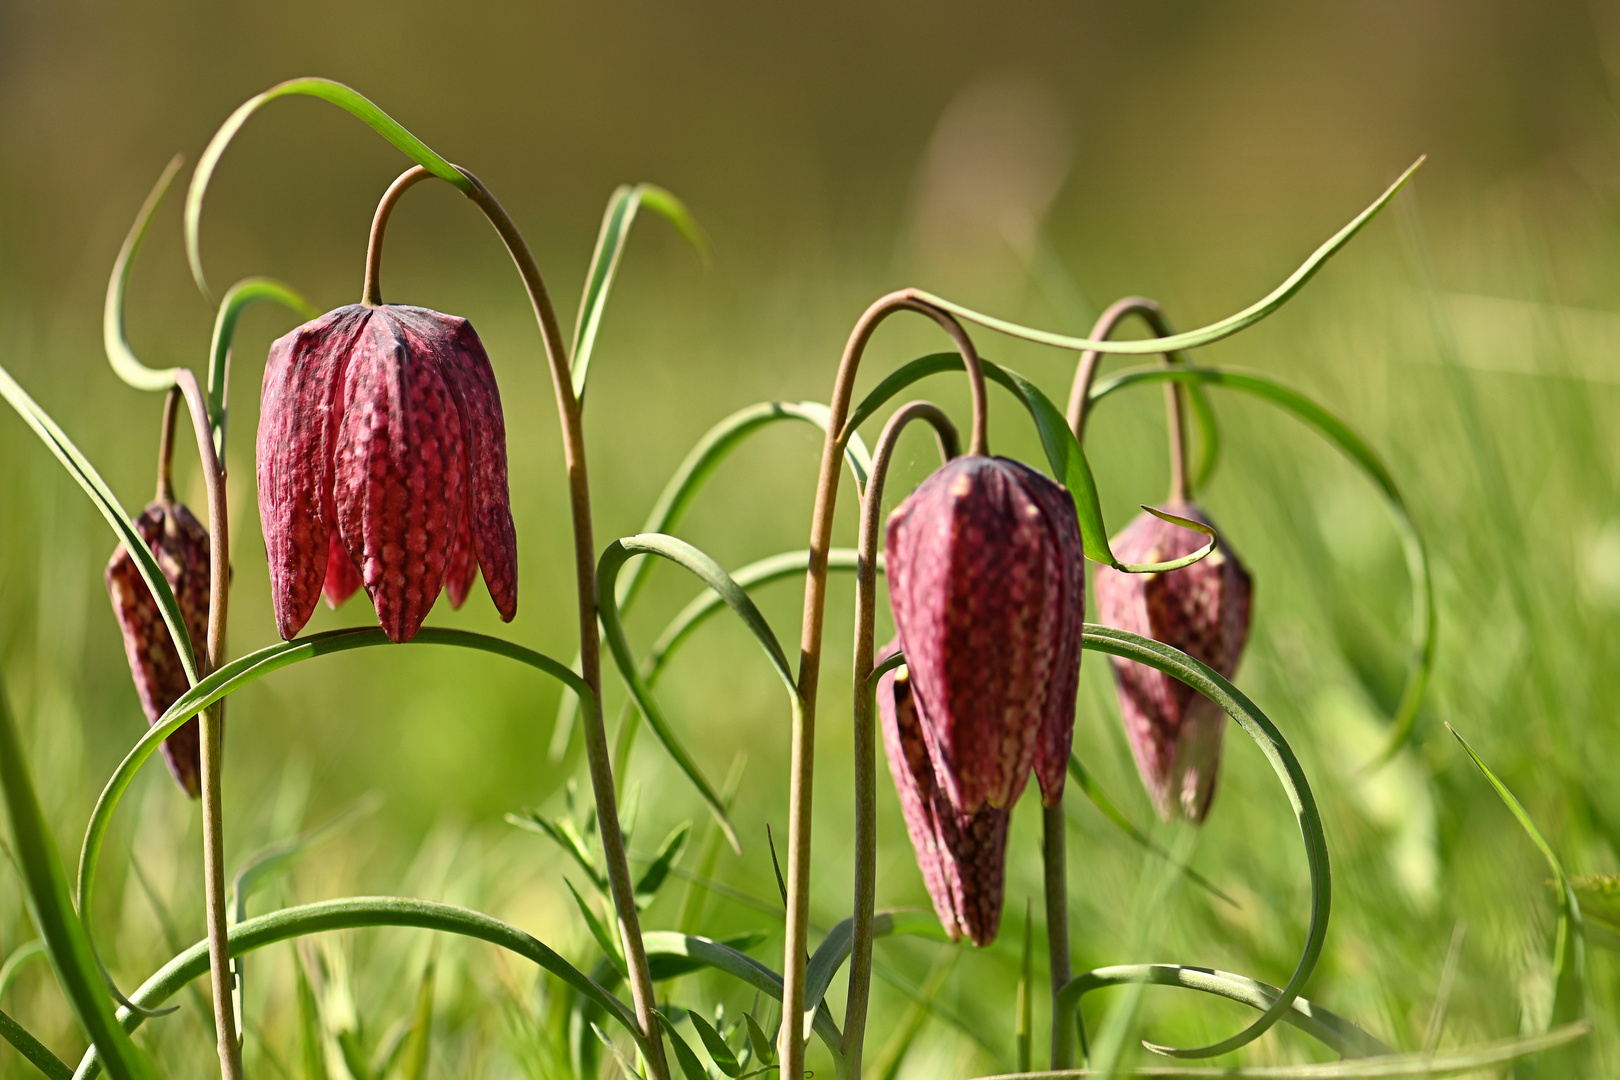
(716, 1046)
(238, 298)
(238, 673)
(37, 1053)
(1569, 950)
(713, 575)
(414, 1057)
(671, 967)
(568, 839)
(604, 937)
(51, 906)
(79, 467)
(616, 222)
(122, 358)
(626, 1066)
(1232, 701)
(1063, 452)
(1191, 339)
(682, 490)
(657, 872)
(272, 860)
(688, 1060)
(764, 1049)
(28, 950)
(1425, 622)
(1099, 798)
(327, 90)
(353, 913)
(834, 948)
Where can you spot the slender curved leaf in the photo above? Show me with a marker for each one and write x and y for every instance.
(1569, 949)
(1191, 339)
(688, 1061)
(22, 954)
(1425, 622)
(719, 1052)
(1063, 451)
(683, 487)
(37, 1053)
(713, 575)
(334, 92)
(353, 913)
(238, 298)
(238, 673)
(122, 358)
(1280, 757)
(51, 905)
(79, 467)
(616, 221)
(604, 937)
(834, 948)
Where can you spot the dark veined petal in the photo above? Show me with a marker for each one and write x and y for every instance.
(962, 856)
(303, 381)
(462, 569)
(180, 545)
(1203, 610)
(399, 473)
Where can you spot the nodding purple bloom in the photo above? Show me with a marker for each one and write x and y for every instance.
(1203, 610)
(179, 543)
(382, 462)
(962, 856)
(988, 588)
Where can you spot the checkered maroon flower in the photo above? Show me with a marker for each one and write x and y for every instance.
(1203, 610)
(382, 462)
(988, 588)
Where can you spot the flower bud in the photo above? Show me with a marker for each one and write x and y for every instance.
(962, 856)
(988, 588)
(180, 544)
(382, 462)
(1203, 610)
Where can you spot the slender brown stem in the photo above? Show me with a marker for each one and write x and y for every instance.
(371, 291)
(1055, 852)
(860, 956)
(1106, 324)
(802, 766)
(165, 477)
(212, 722)
(596, 747)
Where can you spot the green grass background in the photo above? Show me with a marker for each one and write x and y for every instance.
(1034, 160)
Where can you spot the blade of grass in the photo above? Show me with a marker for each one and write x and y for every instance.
(37, 1053)
(238, 298)
(122, 358)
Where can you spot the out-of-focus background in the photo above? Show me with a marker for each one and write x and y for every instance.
(1035, 160)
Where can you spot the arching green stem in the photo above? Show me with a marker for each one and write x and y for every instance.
(238, 298)
(865, 739)
(123, 360)
(802, 766)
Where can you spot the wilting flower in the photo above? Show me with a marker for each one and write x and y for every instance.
(1203, 610)
(962, 856)
(382, 462)
(180, 545)
(988, 589)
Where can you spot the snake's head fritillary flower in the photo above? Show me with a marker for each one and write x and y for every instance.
(962, 856)
(180, 544)
(382, 463)
(1203, 610)
(988, 588)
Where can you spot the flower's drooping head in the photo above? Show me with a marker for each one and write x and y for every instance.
(988, 589)
(382, 462)
(180, 545)
(1203, 610)
(962, 856)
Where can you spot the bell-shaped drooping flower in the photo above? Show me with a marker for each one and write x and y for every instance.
(962, 856)
(382, 462)
(180, 544)
(1203, 610)
(988, 589)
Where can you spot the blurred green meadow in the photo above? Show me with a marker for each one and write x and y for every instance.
(1035, 161)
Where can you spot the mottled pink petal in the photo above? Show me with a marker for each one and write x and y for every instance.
(342, 579)
(180, 544)
(303, 381)
(463, 566)
(1203, 610)
(988, 607)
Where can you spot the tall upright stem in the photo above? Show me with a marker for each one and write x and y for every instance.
(590, 649)
(860, 956)
(165, 469)
(802, 765)
(212, 735)
(1055, 852)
